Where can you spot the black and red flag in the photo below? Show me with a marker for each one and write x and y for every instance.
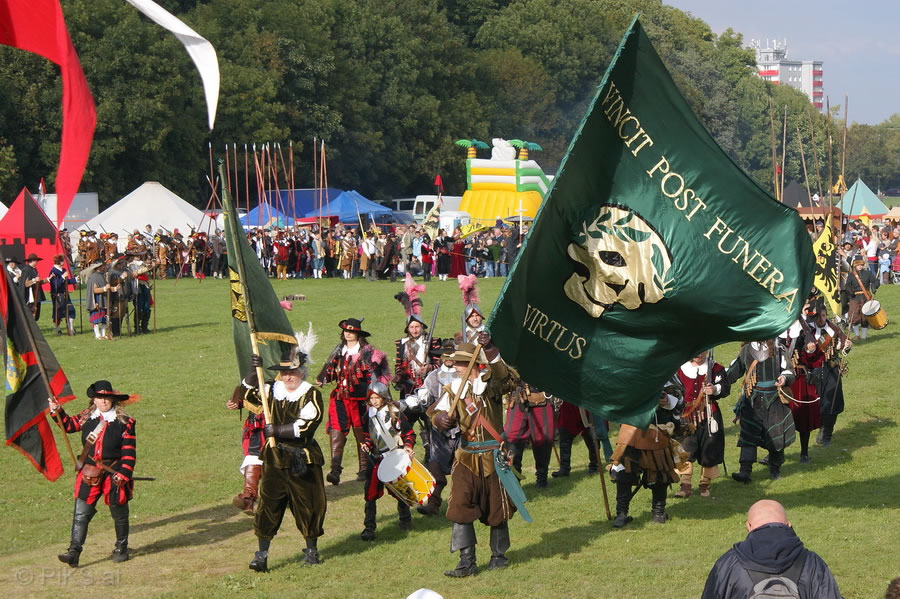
(26, 355)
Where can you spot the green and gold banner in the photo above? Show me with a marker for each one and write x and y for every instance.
(651, 246)
(253, 296)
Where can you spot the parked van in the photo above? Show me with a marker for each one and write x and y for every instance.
(424, 204)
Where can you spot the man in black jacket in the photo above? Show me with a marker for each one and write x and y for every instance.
(772, 556)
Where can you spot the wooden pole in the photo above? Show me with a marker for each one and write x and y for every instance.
(465, 380)
(812, 137)
(844, 140)
(783, 154)
(774, 151)
(601, 466)
(251, 322)
(803, 162)
(246, 179)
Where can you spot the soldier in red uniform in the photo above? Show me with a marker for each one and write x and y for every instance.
(252, 440)
(702, 421)
(108, 460)
(352, 365)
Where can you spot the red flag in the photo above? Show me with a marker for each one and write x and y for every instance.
(26, 350)
(38, 26)
(439, 183)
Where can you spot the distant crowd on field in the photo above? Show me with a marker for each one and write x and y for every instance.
(876, 244)
(311, 252)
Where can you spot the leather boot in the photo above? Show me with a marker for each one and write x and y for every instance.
(686, 490)
(542, 464)
(246, 500)
(704, 490)
(311, 553)
(338, 439)
(658, 503)
(462, 538)
(404, 516)
(120, 522)
(145, 321)
(499, 545)
(565, 454)
(80, 519)
(363, 458)
(623, 499)
(433, 506)
(743, 475)
(592, 454)
(368, 533)
(776, 459)
(260, 561)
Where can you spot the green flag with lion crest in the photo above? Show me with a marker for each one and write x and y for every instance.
(651, 246)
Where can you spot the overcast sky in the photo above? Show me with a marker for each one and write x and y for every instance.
(858, 42)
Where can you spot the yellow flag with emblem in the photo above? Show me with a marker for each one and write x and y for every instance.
(826, 278)
(471, 229)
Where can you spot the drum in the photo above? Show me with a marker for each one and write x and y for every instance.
(406, 477)
(875, 314)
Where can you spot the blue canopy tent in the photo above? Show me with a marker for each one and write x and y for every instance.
(297, 202)
(265, 215)
(348, 206)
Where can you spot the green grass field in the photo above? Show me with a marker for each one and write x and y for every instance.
(188, 541)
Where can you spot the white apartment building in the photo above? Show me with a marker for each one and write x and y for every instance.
(773, 65)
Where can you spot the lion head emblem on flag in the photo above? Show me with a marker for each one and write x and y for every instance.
(619, 259)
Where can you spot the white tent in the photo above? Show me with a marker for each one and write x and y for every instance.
(3, 210)
(150, 204)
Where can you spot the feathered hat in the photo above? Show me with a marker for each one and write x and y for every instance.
(412, 303)
(469, 287)
(297, 356)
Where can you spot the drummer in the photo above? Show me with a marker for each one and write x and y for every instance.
(861, 285)
(388, 430)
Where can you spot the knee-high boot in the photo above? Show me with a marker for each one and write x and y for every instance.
(363, 458)
(623, 500)
(371, 509)
(499, 546)
(565, 454)
(404, 515)
(592, 453)
(120, 521)
(246, 500)
(658, 503)
(542, 463)
(80, 519)
(338, 439)
(462, 539)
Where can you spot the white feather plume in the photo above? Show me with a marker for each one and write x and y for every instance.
(306, 342)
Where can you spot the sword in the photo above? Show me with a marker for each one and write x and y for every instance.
(111, 471)
(430, 333)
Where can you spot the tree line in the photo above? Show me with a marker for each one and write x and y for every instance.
(389, 87)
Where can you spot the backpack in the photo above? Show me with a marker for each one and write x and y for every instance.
(767, 586)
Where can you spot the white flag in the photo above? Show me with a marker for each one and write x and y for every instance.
(201, 51)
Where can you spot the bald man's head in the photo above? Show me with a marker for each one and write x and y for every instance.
(765, 511)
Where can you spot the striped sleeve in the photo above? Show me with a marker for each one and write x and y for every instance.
(125, 465)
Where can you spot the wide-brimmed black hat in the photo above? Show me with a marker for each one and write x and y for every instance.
(105, 390)
(291, 359)
(353, 325)
(32, 257)
(447, 347)
(12, 259)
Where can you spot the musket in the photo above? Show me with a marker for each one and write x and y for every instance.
(430, 334)
(587, 419)
(111, 471)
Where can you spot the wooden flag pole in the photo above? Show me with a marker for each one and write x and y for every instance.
(812, 140)
(588, 418)
(251, 323)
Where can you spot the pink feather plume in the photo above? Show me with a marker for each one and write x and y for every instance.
(469, 287)
(413, 290)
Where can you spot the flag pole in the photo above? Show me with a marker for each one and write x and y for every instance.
(588, 418)
(254, 345)
(20, 314)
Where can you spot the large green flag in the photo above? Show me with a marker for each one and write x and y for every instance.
(651, 246)
(255, 298)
